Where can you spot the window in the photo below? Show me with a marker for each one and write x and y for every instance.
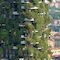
(57, 42)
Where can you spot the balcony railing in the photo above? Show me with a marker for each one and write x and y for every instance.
(23, 36)
(23, 1)
(21, 25)
(32, 8)
(23, 42)
(42, 13)
(22, 7)
(26, 19)
(15, 13)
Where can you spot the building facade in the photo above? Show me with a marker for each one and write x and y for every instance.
(55, 27)
(22, 24)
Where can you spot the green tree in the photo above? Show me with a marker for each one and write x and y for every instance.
(1, 53)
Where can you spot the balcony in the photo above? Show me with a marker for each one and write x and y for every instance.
(41, 13)
(32, 8)
(21, 25)
(39, 49)
(4, 59)
(3, 24)
(15, 48)
(37, 43)
(23, 1)
(22, 7)
(15, 2)
(15, 13)
(2, 43)
(36, 31)
(21, 58)
(23, 42)
(23, 36)
(29, 20)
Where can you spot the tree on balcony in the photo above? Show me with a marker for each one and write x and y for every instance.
(29, 15)
(35, 2)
